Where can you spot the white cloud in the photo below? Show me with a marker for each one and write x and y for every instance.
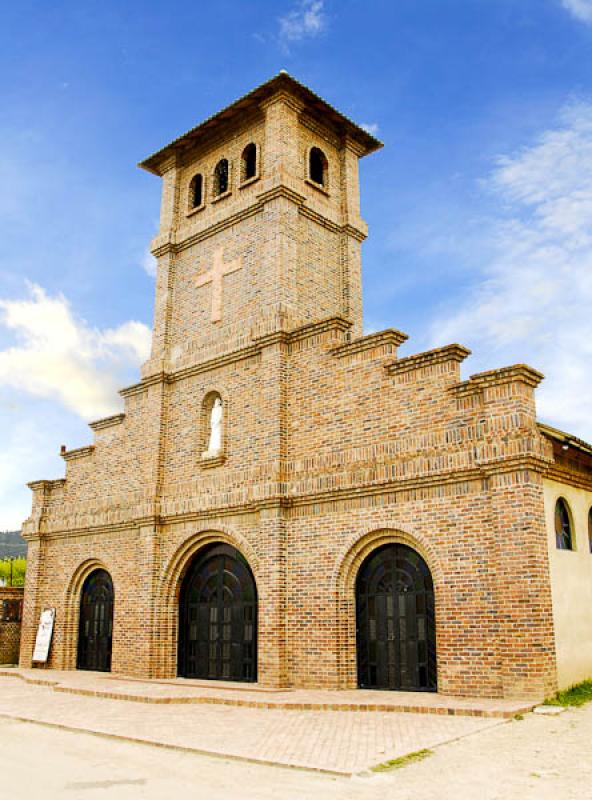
(149, 263)
(59, 356)
(371, 127)
(581, 9)
(306, 19)
(532, 300)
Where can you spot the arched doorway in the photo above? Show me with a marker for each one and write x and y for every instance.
(396, 626)
(218, 617)
(95, 631)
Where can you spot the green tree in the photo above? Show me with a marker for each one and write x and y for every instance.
(12, 571)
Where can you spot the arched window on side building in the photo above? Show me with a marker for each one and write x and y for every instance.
(563, 526)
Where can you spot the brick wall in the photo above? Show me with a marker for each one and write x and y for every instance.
(333, 444)
(10, 627)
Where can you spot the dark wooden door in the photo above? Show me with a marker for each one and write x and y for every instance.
(395, 618)
(218, 618)
(95, 633)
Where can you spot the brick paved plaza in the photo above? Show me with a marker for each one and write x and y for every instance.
(342, 742)
(534, 758)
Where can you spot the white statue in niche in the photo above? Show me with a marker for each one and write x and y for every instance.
(215, 440)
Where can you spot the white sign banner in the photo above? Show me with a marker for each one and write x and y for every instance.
(44, 633)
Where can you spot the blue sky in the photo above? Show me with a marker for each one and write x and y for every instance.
(479, 206)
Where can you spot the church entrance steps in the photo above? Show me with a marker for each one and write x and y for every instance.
(325, 741)
(181, 691)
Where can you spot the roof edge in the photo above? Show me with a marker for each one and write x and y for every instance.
(564, 438)
(282, 80)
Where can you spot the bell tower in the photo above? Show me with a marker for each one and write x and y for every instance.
(260, 226)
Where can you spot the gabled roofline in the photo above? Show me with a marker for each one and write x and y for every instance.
(281, 81)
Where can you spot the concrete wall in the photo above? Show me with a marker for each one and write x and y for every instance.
(571, 585)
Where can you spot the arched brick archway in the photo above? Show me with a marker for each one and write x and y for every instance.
(168, 592)
(395, 621)
(218, 617)
(95, 629)
(72, 609)
(344, 587)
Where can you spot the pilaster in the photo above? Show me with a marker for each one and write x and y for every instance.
(272, 657)
(31, 603)
(282, 157)
(170, 195)
(524, 633)
(145, 599)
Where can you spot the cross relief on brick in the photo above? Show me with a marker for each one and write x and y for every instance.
(219, 269)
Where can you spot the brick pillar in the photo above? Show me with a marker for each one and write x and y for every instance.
(161, 248)
(279, 256)
(165, 278)
(282, 157)
(133, 620)
(272, 661)
(354, 233)
(31, 604)
(146, 578)
(526, 642)
(271, 542)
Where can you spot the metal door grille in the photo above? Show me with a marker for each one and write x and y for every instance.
(395, 617)
(218, 618)
(95, 632)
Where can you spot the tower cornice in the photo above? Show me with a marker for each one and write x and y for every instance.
(282, 86)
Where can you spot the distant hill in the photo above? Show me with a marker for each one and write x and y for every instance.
(12, 545)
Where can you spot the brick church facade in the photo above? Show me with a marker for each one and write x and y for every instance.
(287, 500)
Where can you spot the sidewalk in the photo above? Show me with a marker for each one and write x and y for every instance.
(247, 695)
(227, 722)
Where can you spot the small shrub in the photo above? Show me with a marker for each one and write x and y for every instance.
(576, 695)
(402, 761)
